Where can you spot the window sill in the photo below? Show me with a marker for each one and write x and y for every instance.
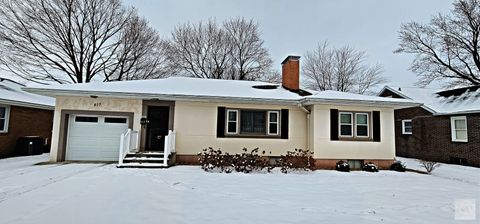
(355, 139)
(252, 136)
(460, 141)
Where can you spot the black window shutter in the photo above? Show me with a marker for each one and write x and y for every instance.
(333, 124)
(221, 122)
(284, 123)
(376, 126)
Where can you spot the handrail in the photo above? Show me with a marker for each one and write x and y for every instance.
(128, 144)
(169, 146)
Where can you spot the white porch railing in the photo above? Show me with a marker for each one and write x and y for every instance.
(128, 144)
(169, 146)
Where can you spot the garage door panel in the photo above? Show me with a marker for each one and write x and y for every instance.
(94, 141)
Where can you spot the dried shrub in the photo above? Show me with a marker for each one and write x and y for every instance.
(428, 165)
(370, 167)
(342, 166)
(296, 160)
(244, 162)
(398, 166)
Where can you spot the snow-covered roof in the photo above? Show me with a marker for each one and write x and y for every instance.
(11, 93)
(203, 89)
(437, 101)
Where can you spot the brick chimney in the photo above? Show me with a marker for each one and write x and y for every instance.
(291, 73)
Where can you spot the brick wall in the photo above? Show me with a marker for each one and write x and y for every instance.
(431, 138)
(24, 121)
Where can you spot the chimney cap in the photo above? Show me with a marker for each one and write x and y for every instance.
(290, 57)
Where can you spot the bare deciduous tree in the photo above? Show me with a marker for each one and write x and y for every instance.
(233, 50)
(199, 50)
(446, 49)
(341, 69)
(76, 41)
(249, 59)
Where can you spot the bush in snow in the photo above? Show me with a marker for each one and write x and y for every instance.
(342, 166)
(211, 159)
(245, 162)
(398, 166)
(370, 167)
(296, 160)
(428, 165)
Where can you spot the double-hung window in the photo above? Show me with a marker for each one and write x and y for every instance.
(252, 122)
(407, 127)
(273, 122)
(346, 124)
(4, 114)
(361, 124)
(459, 129)
(354, 125)
(232, 121)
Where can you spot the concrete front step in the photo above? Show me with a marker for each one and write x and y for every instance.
(143, 159)
(146, 155)
(142, 165)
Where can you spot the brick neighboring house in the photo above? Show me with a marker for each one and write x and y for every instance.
(446, 128)
(22, 114)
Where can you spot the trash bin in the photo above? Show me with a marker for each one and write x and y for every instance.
(30, 145)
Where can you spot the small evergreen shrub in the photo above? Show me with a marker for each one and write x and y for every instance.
(296, 160)
(398, 166)
(370, 167)
(342, 166)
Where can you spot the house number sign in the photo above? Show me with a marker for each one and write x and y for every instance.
(97, 104)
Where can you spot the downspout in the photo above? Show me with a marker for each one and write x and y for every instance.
(302, 107)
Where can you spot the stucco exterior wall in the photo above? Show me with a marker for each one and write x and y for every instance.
(92, 104)
(196, 123)
(324, 148)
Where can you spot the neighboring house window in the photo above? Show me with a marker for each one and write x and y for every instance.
(407, 127)
(232, 121)
(354, 125)
(346, 124)
(250, 122)
(273, 119)
(4, 115)
(459, 129)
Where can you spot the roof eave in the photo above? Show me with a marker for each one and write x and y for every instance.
(394, 105)
(26, 104)
(130, 95)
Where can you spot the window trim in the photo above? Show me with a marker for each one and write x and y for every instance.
(6, 119)
(368, 125)
(277, 122)
(238, 134)
(340, 124)
(403, 127)
(453, 130)
(237, 121)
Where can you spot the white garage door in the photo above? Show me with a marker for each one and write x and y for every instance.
(94, 138)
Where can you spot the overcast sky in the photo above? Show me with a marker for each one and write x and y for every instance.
(292, 27)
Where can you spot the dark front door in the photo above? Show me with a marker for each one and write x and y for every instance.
(157, 127)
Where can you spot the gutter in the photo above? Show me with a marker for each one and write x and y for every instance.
(167, 97)
(26, 104)
(198, 98)
(359, 102)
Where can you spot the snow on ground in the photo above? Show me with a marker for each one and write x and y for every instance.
(448, 171)
(102, 193)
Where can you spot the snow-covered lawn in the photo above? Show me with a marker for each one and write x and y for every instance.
(101, 193)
